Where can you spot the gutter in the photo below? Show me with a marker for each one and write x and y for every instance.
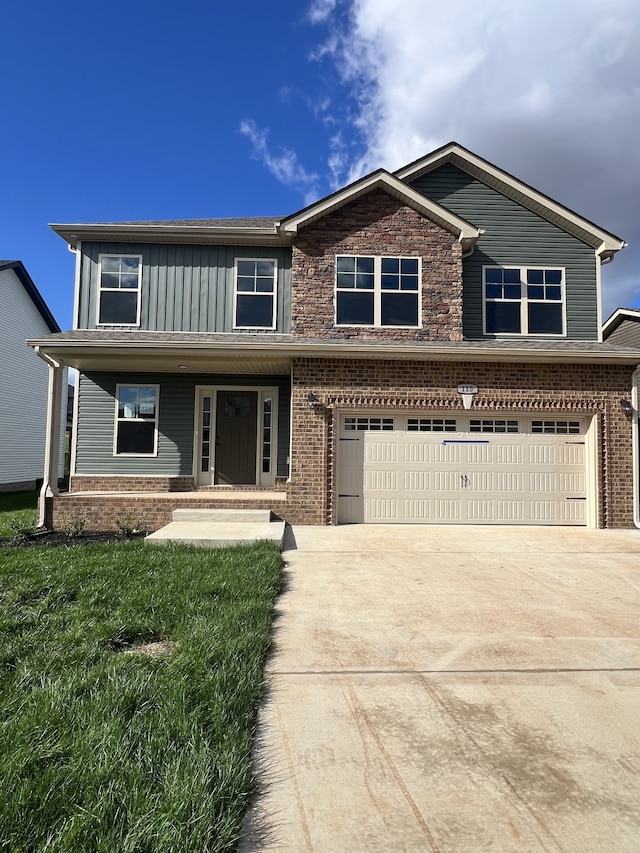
(47, 489)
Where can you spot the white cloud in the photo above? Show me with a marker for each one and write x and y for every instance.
(320, 10)
(285, 166)
(547, 90)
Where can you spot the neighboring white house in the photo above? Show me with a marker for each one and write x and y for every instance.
(23, 379)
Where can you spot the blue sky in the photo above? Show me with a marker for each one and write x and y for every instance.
(139, 110)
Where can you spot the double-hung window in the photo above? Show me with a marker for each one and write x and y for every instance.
(136, 432)
(119, 299)
(377, 291)
(523, 300)
(255, 294)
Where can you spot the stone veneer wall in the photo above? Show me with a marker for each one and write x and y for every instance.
(503, 388)
(376, 224)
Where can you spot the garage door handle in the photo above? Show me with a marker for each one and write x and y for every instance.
(465, 482)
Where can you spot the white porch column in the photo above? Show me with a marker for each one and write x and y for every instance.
(52, 436)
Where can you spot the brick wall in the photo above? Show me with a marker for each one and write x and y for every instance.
(129, 483)
(376, 224)
(146, 512)
(584, 390)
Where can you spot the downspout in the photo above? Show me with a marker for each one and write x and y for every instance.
(635, 380)
(52, 436)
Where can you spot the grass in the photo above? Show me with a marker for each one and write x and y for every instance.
(103, 747)
(19, 507)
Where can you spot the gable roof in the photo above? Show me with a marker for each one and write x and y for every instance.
(27, 282)
(604, 242)
(466, 233)
(619, 316)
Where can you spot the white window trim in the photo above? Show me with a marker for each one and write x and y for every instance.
(524, 301)
(377, 291)
(118, 290)
(274, 261)
(117, 421)
(262, 479)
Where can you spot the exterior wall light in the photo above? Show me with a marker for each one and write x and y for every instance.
(313, 402)
(627, 408)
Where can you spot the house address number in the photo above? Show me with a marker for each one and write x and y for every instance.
(467, 388)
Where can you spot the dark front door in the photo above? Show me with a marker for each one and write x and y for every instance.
(236, 438)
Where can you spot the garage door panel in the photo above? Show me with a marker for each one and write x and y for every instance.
(573, 511)
(380, 451)
(570, 454)
(381, 510)
(572, 484)
(381, 480)
(417, 481)
(482, 454)
(543, 481)
(509, 454)
(445, 481)
(509, 481)
(402, 474)
(510, 511)
(447, 452)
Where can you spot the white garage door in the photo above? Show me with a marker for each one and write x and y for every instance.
(461, 470)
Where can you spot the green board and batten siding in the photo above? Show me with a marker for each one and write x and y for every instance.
(175, 421)
(514, 235)
(185, 288)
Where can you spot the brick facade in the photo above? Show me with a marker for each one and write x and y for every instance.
(582, 390)
(376, 224)
(370, 385)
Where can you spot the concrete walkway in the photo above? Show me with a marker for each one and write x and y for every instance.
(453, 689)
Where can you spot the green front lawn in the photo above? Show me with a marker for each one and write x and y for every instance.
(20, 506)
(131, 676)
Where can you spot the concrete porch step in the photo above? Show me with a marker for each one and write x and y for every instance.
(244, 516)
(218, 534)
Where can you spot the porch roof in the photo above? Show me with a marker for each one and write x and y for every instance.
(198, 352)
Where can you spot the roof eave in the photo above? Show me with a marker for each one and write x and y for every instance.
(76, 232)
(334, 349)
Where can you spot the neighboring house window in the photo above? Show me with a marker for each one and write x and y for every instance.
(119, 300)
(255, 294)
(377, 291)
(136, 432)
(523, 301)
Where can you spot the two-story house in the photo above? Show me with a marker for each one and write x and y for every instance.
(418, 347)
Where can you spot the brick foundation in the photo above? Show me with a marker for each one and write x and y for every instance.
(107, 511)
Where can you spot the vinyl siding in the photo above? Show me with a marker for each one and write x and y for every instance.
(184, 288)
(23, 386)
(627, 334)
(514, 236)
(96, 413)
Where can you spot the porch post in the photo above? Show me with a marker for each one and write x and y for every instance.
(52, 438)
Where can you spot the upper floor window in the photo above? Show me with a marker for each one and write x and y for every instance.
(523, 301)
(255, 294)
(136, 432)
(119, 298)
(377, 291)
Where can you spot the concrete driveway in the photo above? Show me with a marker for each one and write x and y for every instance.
(453, 689)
